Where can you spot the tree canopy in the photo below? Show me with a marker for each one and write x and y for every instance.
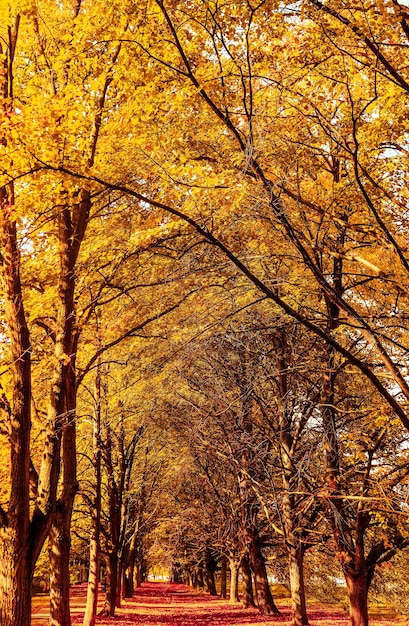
(204, 288)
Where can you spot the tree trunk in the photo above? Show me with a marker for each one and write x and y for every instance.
(131, 578)
(119, 577)
(59, 553)
(60, 534)
(234, 576)
(289, 477)
(15, 581)
(210, 565)
(210, 582)
(200, 580)
(138, 575)
(296, 572)
(248, 596)
(358, 598)
(127, 584)
(15, 558)
(94, 547)
(223, 578)
(112, 584)
(265, 601)
(64, 395)
(129, 568)
(92, 589)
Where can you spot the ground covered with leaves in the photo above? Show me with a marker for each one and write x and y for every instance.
(162, 604)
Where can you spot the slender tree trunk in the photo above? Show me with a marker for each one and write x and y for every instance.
(250, 506)
(200, 580)
(131, 577)
(287, 450)
(265, 601)
(248, 596)
(92, 588)
(234, 578)
(355, 572)
(294, 549)
(223, 578)
(119, 578)
(95, 548)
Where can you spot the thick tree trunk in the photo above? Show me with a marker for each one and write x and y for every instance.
(60, 535)
(265, 601)
(358, 598)
(296, 572)
(15, 558)
(248, 596)
(59, 553)
(63, 401)
(223, 578)
(15, 581)
(131, 578)
(211, 583)
(129, 574)
(210, 565)
(138, 575)
(127, 582)
(112, 584)
(234, 577)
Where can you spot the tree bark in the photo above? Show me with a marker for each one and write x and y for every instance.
(248, 596)
(72, 223)
(16, 558)
(265, 601)
(223, 578)
(234, 576)
(296, 572)
(127, 582)
(200, 580)
(119, 581)
(112, 583)
(288, 444)
(95, 548)
(357, 586)
(15, 580)
(59, 554)
(210, 568)
(138, 574)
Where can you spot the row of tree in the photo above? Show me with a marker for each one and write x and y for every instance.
(226, 183)
(269, 475)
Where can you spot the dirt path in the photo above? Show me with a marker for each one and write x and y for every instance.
(163, 604)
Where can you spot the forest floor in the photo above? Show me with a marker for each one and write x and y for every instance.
(164, 604)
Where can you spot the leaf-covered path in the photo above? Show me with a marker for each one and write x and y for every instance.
(163, 604)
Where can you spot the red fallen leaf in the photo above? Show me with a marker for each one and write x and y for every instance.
(164, 604)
